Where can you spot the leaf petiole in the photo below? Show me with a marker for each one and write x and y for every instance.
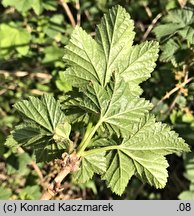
(87, 138)
(97, 150)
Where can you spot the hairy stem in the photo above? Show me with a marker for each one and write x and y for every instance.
(70, 163)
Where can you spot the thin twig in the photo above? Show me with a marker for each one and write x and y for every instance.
(3, 91)
(25, 73)
(149, 29)
(178, 86)
(78, 13)
(11, 87)
(38, 171)
(148, 11)
(182, 3)
(68, 12)
(171, 107)
(87, 14)
(33, 164)
(186, 74)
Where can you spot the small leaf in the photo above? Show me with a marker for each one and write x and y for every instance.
(30, 193)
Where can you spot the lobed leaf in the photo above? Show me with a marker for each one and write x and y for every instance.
(142, 154)
(45, 129)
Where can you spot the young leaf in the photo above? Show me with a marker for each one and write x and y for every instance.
(107, 72)
(97, 60)
(117, 110)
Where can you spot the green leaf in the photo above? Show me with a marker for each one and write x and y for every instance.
(89, 165)
(118, 110)
(101, 64)
(45, 112)
(140, 63)
(37, 6)
(169, 50)
(164, 30)
(115, 35)
(12, 37)
(45, 129)
(50, 5)
(30, 193)
(183, 16)
(177, 21)
(25, 5)
(120, 169)
(107, 72)
(11, 143)
(20, 5)
(52, 54)
(55, 27)
(97, 60)
(17, 164)
(142, 154)
(188, 34)
(62, 83)
(186, 195)
(86, 58)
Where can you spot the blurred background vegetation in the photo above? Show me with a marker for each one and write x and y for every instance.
(33, 34)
